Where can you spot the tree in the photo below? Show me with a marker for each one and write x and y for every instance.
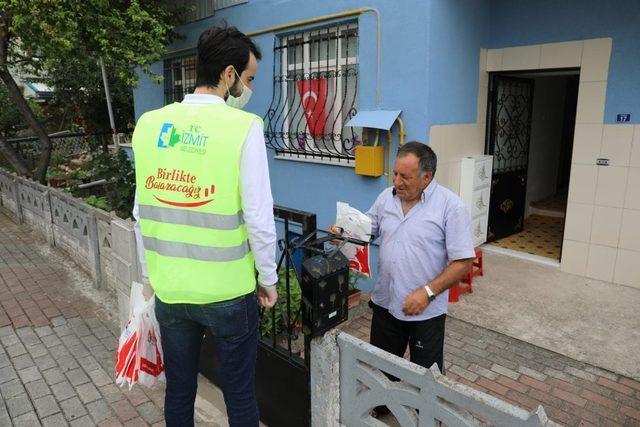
(10, 118)
(63, 38)
(11, 121)
(79, 92)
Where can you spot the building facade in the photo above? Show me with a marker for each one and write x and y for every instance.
(551, 90)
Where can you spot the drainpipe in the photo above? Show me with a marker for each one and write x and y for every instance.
(401, 135)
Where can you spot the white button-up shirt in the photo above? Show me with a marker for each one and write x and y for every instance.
(257, 201)
(415, 249)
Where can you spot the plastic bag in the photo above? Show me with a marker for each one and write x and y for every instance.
(138, 358)
(357, 225)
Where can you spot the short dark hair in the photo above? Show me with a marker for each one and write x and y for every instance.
(219, 47)
(426, 156)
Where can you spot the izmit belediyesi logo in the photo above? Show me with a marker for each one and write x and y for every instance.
(168, 136)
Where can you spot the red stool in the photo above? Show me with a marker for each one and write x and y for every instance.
(476, 266)
(466, 286)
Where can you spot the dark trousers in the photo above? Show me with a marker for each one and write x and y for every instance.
(234, 324)
(424, 337)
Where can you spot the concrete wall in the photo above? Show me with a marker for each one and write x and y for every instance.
(546, 138)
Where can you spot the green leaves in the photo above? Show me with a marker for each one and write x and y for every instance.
(60, 41)
(280, 309)
(117, 167)
(99, 202)
(10, 118)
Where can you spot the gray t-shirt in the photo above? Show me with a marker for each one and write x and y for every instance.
(416, 248)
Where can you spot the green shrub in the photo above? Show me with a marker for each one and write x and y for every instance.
(99, 202)
(280, 309)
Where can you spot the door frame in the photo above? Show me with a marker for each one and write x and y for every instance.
(592, 56)
(488, 149)
(455, 140)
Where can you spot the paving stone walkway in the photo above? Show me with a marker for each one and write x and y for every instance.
(57, 345)
(572, 393)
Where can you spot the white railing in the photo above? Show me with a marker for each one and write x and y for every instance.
(350, 377)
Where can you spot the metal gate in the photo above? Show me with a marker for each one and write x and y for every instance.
(511, 105)
(282, 371)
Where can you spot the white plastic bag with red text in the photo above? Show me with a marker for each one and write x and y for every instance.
(138, 356)
(358, 226)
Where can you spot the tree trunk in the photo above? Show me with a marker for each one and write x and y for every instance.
(45, 143)
(14, 158)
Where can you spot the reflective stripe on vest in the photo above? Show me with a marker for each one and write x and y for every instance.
(196, 252)
(196, 219)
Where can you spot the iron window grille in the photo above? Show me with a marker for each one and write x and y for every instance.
(179, 78)
(315, 92)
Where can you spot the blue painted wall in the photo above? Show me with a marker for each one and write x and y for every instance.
(457, 31)
(430, 58)
(520, 22)
(317, 187)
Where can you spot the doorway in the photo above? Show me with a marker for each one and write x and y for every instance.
(531, 117)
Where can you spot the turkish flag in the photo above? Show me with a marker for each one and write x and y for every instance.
(313, 94)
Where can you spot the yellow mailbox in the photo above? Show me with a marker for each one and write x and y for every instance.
(370, 156)
(370, 160)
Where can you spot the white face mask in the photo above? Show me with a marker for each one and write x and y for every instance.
(240, 101)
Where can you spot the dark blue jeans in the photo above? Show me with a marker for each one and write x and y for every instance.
(234, 325)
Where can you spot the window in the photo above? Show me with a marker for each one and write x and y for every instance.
(179, 78)
(315, 93)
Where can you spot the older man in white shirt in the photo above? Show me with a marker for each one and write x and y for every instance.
(426, 246)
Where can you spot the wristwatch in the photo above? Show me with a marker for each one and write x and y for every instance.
(430, 293)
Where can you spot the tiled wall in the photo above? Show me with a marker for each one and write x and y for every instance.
(602, 234)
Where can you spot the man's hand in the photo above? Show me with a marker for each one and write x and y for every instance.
(334, 229)
(147, 290)
(267, 297)
(416, 302)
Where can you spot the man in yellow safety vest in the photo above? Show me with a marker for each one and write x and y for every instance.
(205, 221)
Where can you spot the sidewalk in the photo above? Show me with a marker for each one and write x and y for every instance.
(57, 345)
(584, 319)
(572, 393)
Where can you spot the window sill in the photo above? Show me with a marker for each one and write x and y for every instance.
(317, 160)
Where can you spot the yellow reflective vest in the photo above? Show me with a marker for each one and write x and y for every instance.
(187, 162)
